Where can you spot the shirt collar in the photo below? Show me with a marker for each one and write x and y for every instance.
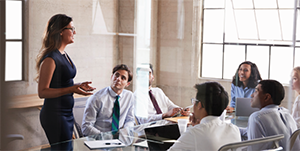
(243, 88)
(113, 94)
(210, 119)
(150, 89)
(270, 107)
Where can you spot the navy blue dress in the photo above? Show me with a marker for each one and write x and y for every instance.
(56, 115)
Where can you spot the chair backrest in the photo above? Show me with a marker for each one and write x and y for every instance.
(293, 138)
(234, 146)
(77, 130)
(79, 106)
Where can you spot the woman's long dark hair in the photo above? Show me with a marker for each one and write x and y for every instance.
(52, 38)
(253, 79)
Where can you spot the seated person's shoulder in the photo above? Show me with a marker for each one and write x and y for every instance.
(284, 110)
(127, 92)
(232, 126)
(156, 89)
(99, 94)
(260, 115)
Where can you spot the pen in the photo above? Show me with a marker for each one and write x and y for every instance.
(112, 143)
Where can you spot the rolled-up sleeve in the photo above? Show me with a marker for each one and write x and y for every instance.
(129, 121)
(89, 117)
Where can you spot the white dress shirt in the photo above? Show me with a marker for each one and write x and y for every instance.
(211, 134)
(97, 115)
(296, 111)
(164, 103)
(270, 120)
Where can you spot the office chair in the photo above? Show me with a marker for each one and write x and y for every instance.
(77, 130)
(79, 106)
(293, 138)
(243, 144)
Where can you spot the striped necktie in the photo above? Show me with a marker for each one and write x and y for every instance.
(115, 115)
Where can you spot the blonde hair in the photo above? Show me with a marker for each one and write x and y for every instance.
(297, 70)
(51, 38)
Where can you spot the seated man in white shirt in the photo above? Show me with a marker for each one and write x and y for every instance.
(270, 119)
(208, 131)
(110, 108)
(159, 105)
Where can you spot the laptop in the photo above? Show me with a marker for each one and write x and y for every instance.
(161, 137)
(243, 107)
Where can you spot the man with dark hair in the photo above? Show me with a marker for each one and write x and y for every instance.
(159, 105)
(271, 119)
(110, 108)
(209, 132)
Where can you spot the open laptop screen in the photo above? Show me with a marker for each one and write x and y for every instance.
(243, 107)
(162, 137)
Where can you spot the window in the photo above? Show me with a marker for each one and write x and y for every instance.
(13, 39)
(252, 30)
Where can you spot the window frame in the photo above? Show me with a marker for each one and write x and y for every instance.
(223, 43)
(3, 40)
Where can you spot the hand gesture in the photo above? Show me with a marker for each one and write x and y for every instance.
(229, 109)
(83, 88)
(171, 112)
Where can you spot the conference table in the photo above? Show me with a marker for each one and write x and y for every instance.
(132, 139)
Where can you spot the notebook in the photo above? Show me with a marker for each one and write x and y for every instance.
(161, 137)
(243, 107)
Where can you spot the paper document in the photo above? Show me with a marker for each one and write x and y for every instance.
(141, 144)
(104, 144)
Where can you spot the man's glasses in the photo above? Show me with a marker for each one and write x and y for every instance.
(194, 100)
(73, 29)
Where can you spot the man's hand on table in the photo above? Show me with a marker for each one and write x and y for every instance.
(229, 109)
(171, 112)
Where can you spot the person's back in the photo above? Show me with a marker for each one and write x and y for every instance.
(271, 120)
(210, 134)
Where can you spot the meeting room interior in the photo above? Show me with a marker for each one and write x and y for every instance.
(187, 42)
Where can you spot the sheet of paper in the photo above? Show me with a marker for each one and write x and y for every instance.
(104, 144)
(141, 144)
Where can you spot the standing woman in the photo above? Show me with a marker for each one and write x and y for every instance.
(55, 80)
(296, 87)
(244, 82)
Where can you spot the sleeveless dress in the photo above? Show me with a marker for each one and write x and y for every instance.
(56, 116)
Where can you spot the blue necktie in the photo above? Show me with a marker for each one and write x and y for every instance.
(115, 115)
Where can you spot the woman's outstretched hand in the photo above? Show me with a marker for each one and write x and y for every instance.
(84, 88)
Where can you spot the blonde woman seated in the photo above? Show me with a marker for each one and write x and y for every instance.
(296, 87)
